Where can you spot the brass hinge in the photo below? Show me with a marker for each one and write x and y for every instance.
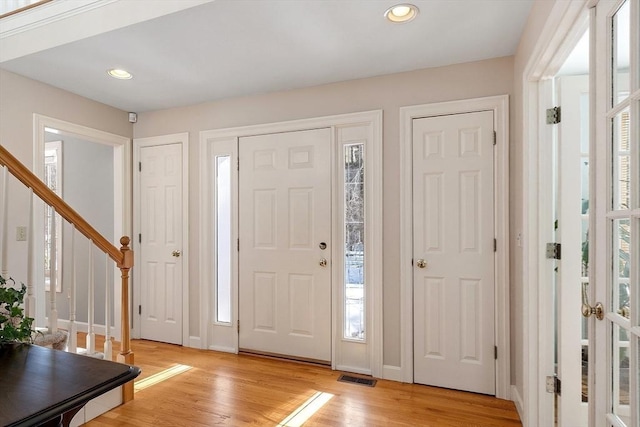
(238, 165)
(554, 385)
(140, 310)
(495, 245)
(139, 238)
(495, 138)
(554, 251)
(238, 245)
(495, 352)
(139, 166)
(238, 325)
(553, 115)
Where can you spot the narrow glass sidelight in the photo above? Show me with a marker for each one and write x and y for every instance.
(354, 245)
(223, 252)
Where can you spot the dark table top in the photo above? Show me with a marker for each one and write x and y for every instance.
(38, 384)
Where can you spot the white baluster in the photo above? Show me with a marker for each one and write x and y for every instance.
(53, 276)
(108, 349)
(73, 327)
(91, 335)
(4, 207)
(30, 303)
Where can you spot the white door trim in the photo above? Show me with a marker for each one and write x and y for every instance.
(373, 119)
(556, 41)
(122, 197)
(138, 144)
(500, 106)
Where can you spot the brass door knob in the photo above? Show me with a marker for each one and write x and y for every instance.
(323, 262)
(176, 253)
(421, 263)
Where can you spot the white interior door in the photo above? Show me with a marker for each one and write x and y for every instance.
(285, 216)
(617, 221)
(453, 227)
(161, 243)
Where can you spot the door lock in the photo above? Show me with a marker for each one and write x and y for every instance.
(323, 262)
(421, 263)
(176, 254)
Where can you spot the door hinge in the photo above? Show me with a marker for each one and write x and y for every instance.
(140, 310)
(495, 245)
(238, 325)
(139, 166)
(554, 385)
(495, 352)
(139, 238)
(238, 245)
(553, 115)
(238, 165)
(495, 137)
(554, 251)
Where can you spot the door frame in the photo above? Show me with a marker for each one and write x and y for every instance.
(500, 107)
(346, 355)
(155, 141)
(562, 29)
(121, 209)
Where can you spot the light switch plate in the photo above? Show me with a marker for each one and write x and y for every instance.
(21, 234)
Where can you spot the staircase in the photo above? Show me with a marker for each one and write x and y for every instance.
(56, 330)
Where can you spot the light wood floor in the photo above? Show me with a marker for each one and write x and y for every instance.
(239, 390)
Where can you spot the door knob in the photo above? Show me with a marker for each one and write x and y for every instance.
(587, 309)
(176, 253)
(323, 262)
(421, 263)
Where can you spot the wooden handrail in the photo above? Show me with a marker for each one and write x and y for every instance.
(24, 175)
(122, 256)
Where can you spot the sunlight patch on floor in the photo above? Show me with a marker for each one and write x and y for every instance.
(306, 410)
(159, 377)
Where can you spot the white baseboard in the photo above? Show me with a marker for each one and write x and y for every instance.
(223, 349)
(195, 342)
(393, 373)
(353, 369)
(517, 399)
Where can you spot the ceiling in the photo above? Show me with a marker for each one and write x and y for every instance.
(231, 48)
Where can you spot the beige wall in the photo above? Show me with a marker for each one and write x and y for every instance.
(389, 93)
(535, 23)
(20, 98)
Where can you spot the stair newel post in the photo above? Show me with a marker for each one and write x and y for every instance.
(53, 276)
(126, 354)
(108, 350)
(4, 208)
(73, 328)
(30, 302)
(91, 335)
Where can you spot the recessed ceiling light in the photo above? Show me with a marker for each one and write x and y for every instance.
(401, 13)
(119, 74)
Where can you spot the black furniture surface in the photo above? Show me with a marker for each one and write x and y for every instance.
(41, 386)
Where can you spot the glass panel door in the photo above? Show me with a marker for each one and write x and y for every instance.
(617, 219)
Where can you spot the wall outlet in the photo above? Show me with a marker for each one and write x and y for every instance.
(21, 234)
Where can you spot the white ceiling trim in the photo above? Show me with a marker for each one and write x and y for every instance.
(59, 22)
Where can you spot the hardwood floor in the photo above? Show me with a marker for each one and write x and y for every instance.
(239, 390)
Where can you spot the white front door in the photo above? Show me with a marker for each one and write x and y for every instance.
(617, 216)
(453, 252)
(160, 258)
(285, 222)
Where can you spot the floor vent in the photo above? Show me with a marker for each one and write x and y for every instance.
(357, 380)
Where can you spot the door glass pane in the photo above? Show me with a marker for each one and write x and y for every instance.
(621, 267)
(354, 322)
(621, 49)
(622, 161)
(620, 373)
(223, 238)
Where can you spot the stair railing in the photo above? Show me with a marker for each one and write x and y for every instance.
(123, 256)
